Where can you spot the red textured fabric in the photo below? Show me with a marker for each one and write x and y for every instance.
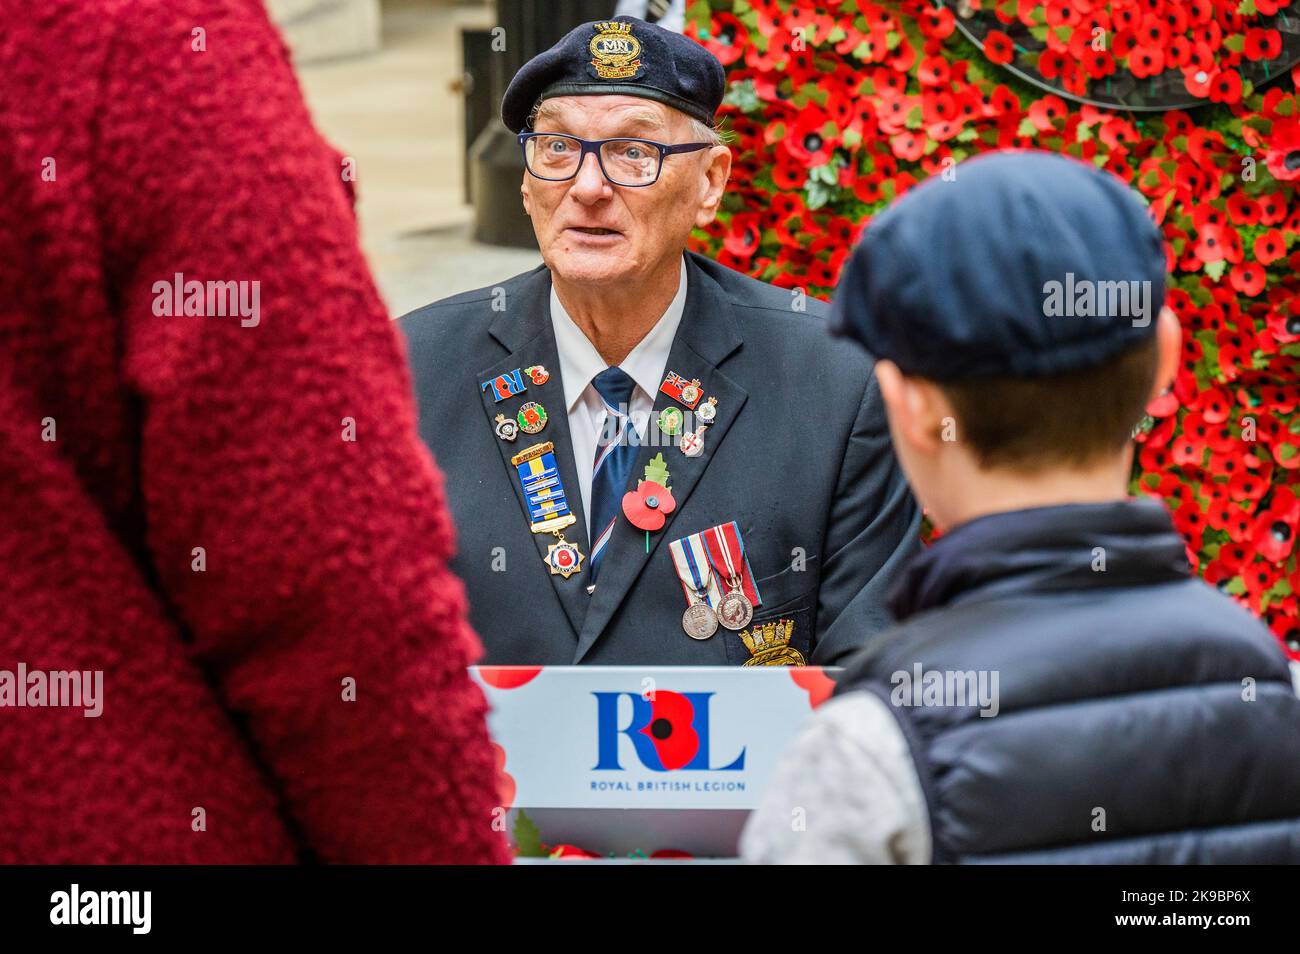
(325, 558)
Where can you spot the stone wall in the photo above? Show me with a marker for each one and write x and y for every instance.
(327, 29)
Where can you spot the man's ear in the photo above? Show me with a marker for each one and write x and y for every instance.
(523, 191)
(911, 406)
(712, 184)
(1169, 351)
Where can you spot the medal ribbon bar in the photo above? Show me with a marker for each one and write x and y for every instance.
(692, 565)
(726, 552)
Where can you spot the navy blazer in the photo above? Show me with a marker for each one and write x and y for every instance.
(799, 456)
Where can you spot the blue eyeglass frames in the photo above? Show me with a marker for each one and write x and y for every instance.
(634, 163)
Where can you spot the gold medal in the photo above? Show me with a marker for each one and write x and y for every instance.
(564, 558)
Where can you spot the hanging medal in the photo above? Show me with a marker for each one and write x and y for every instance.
(691, 562)
(548, 507)
(726, 553)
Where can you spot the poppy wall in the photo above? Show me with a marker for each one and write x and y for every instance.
(837, 107)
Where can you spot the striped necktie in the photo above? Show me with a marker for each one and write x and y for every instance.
(616, 452)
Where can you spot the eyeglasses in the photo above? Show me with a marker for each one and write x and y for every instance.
(625, 162)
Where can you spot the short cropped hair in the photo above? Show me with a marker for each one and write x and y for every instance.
(1073, 419)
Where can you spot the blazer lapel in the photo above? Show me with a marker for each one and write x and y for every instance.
(524, 330)
(707, 335)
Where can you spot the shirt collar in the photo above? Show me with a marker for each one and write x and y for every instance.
(645, 364)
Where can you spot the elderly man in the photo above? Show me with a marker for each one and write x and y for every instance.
(688, 470)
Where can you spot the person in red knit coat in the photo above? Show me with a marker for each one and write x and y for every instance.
(229, 516)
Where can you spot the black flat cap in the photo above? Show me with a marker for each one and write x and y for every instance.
(1023, 264)
(623, 56)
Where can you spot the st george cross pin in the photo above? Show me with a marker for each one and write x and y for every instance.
(692, 442)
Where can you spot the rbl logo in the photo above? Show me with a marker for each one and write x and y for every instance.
(668, 733)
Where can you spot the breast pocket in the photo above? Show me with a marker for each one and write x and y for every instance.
(781, 631)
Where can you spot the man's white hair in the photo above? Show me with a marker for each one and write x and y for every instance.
(702, 132)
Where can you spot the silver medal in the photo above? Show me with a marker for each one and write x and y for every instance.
(699, 620)
(735, 611)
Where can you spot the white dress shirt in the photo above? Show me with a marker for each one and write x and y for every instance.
(580, 362)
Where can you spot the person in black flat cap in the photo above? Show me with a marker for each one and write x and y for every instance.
(650, 458)
(1059, 688)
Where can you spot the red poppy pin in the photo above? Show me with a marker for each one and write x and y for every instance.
(647, 508)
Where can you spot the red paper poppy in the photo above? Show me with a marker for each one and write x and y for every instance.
(807, 140)
(1226, 87)
(1247, 278)
(934, 71)
(1283, 157)
(1242, 209)
(1051, 63)
(1044, 112)
(998, 47)
(908, 145)
(743, 234)
(1146, 61)
(727, 40)
(647, 507)
(1274, 530)
(788, 173)
(1222, 440)
(570, 853)
(1262, 44)
(1098, 63)
(936, 22)
(1197, 79)
(1284, 325)
(1210, 245)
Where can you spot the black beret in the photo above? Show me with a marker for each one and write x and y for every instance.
(623, 56)
(1022, 264)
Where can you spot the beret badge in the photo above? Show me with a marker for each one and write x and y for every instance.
(615, 51)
